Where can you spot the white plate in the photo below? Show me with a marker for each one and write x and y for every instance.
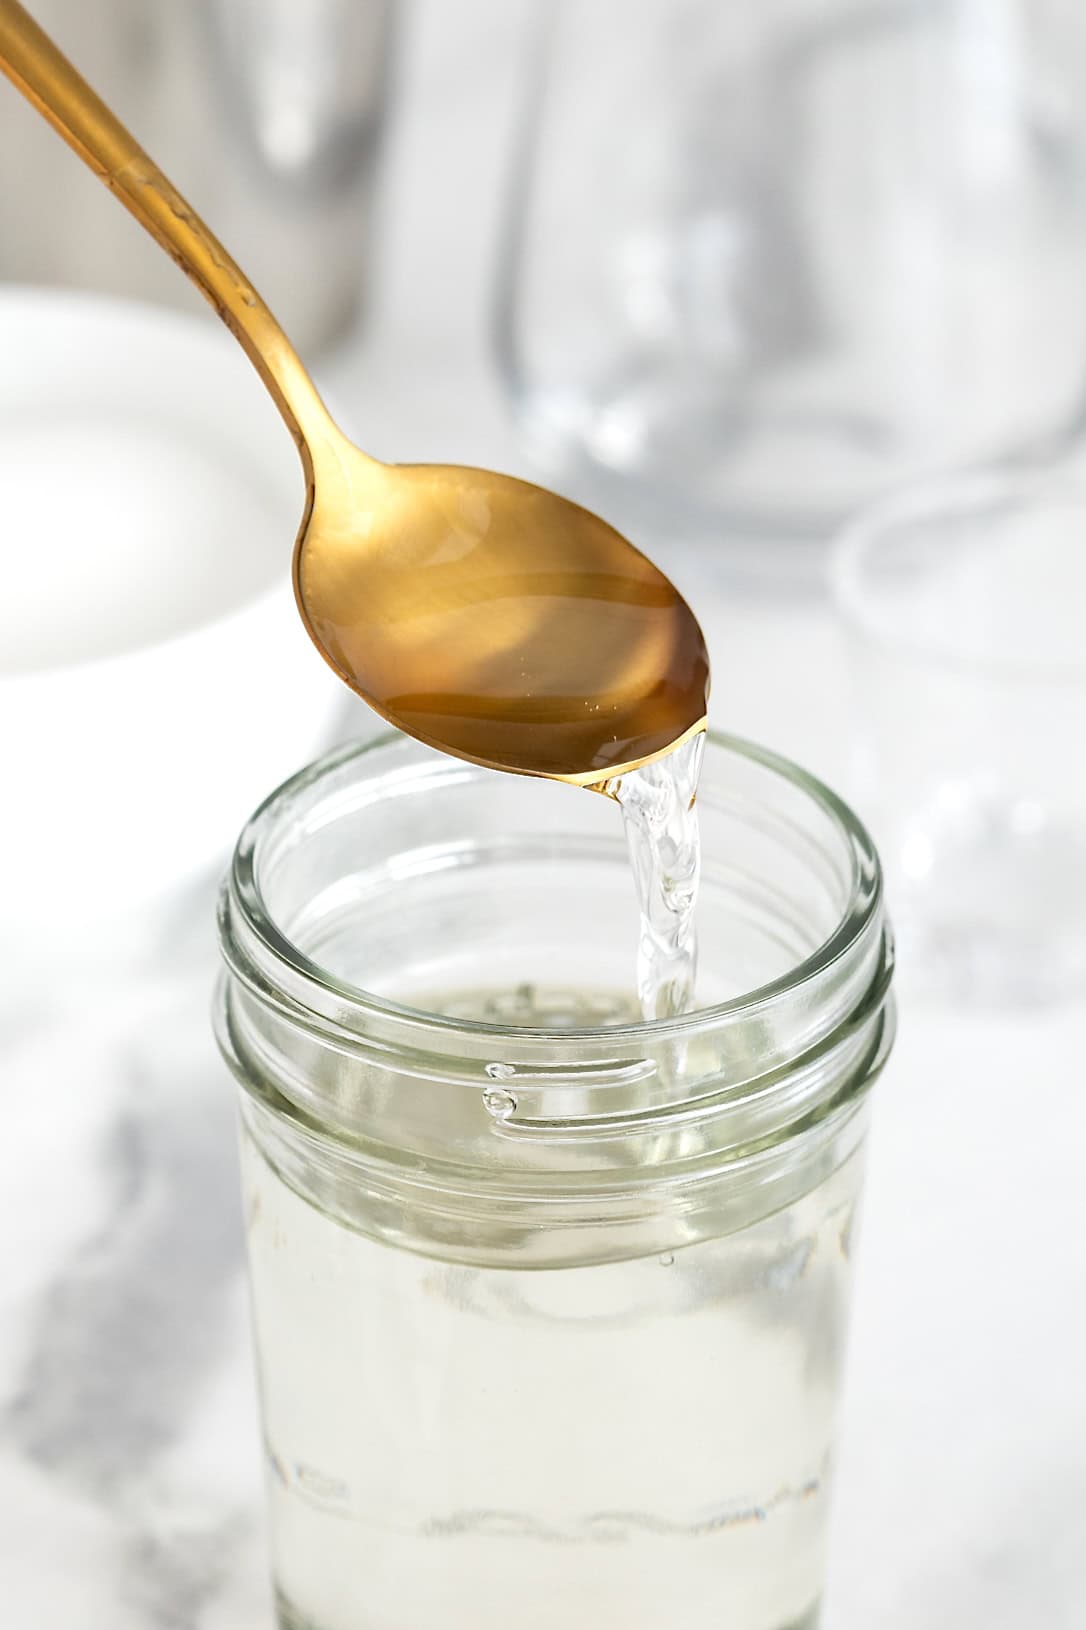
(155, 680)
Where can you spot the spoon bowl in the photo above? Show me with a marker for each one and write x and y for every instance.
(490, 618)
(497, 621)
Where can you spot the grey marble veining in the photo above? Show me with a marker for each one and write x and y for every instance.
(143, 1299)
(133, 1326)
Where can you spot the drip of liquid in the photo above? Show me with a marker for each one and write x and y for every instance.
(660, 816)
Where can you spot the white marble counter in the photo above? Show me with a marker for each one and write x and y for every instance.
(129, 1457)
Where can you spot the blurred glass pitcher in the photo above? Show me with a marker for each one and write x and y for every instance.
(765, 261)
(266, 113)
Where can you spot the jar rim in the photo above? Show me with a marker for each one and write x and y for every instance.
(863, 905)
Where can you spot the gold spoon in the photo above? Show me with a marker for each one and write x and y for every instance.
(486, 616)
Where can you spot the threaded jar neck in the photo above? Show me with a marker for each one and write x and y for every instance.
(387, 870)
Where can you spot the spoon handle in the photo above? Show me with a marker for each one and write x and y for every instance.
(47, 79)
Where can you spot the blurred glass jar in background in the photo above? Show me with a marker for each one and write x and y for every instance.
(266, 113)
(963, 603)
(765, 262)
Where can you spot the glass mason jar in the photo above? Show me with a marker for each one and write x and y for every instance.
(549, 1303)
(765, 262)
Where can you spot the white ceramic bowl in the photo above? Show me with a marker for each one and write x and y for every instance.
(155, 679)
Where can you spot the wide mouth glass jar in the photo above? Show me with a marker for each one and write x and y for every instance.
(549, 1302)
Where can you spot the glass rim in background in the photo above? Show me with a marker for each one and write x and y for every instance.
(963, 604)
(864, 568)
